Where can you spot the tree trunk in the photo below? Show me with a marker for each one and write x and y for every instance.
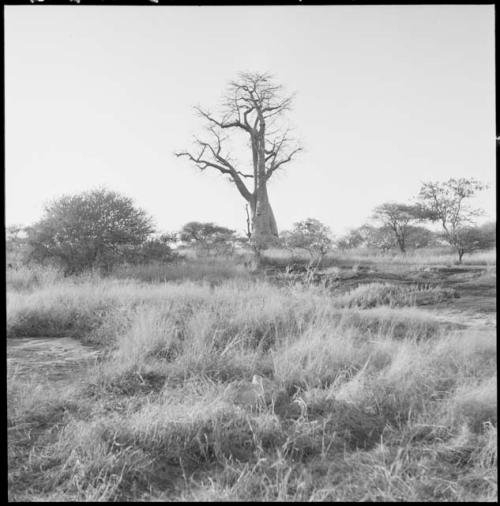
(264, 228)
(401, 245)
(460, 255)
(400, 238)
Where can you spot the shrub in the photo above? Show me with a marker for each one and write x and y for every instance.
(94, 229)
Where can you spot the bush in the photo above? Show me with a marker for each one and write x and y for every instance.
(310, 235)
(94, 229)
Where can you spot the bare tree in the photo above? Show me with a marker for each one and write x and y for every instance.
(253, 105)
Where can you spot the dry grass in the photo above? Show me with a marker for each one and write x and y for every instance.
(25, 278)
(379, 403)
(426, 256)
(379, 294)
(211, 270)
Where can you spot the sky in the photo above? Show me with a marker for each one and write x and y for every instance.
(386, 97)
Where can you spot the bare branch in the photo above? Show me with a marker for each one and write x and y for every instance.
(279, 152)
(277, 164)
(221, 124)
(278, 108)
(217, 161)
(255, 104)
(201, 163)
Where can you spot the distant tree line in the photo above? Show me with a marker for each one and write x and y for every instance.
(100, 229)
(445, 203)
(399, 226)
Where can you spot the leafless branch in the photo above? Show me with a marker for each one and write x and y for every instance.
(279, 152)
(221, 124)
(210, 155)
(275, 165)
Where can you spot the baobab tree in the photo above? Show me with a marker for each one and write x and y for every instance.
(255, 106)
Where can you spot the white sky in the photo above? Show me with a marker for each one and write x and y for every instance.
(387, 97)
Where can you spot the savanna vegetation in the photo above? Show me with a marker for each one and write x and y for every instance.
(214, 382)
(203, 364)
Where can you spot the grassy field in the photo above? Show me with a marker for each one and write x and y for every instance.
(368, 256)
(214, 383)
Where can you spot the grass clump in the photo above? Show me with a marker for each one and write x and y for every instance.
(30, 277)
(476, 405)
(209, 270)
(384, 294)
(357, 402)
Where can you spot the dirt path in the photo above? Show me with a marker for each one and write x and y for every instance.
(468, 319)
(475, 307)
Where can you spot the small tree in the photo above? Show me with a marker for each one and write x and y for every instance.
(489, 233)
(397, 218)
(16, 246)
(96, 228)
(421, 237)
(208, 238)
(445, 202)
(384, 238)
(377, 237)
(311, 235)
(155, 249)
(470, 239)
(353, 239)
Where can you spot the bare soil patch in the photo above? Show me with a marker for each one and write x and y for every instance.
(49, 358)
(474, 304)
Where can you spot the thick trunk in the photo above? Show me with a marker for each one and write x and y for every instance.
(264, 228)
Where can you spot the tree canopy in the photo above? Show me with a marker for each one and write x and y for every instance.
(446, 203)
(311, 235)
(208, 237)
(96, 228)
(397, 217)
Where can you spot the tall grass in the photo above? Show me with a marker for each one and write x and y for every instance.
(25, 278)
(254, 312)
(369, 413)
(378, 294)
(211, 270)
(368, 402)
(425, 256)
